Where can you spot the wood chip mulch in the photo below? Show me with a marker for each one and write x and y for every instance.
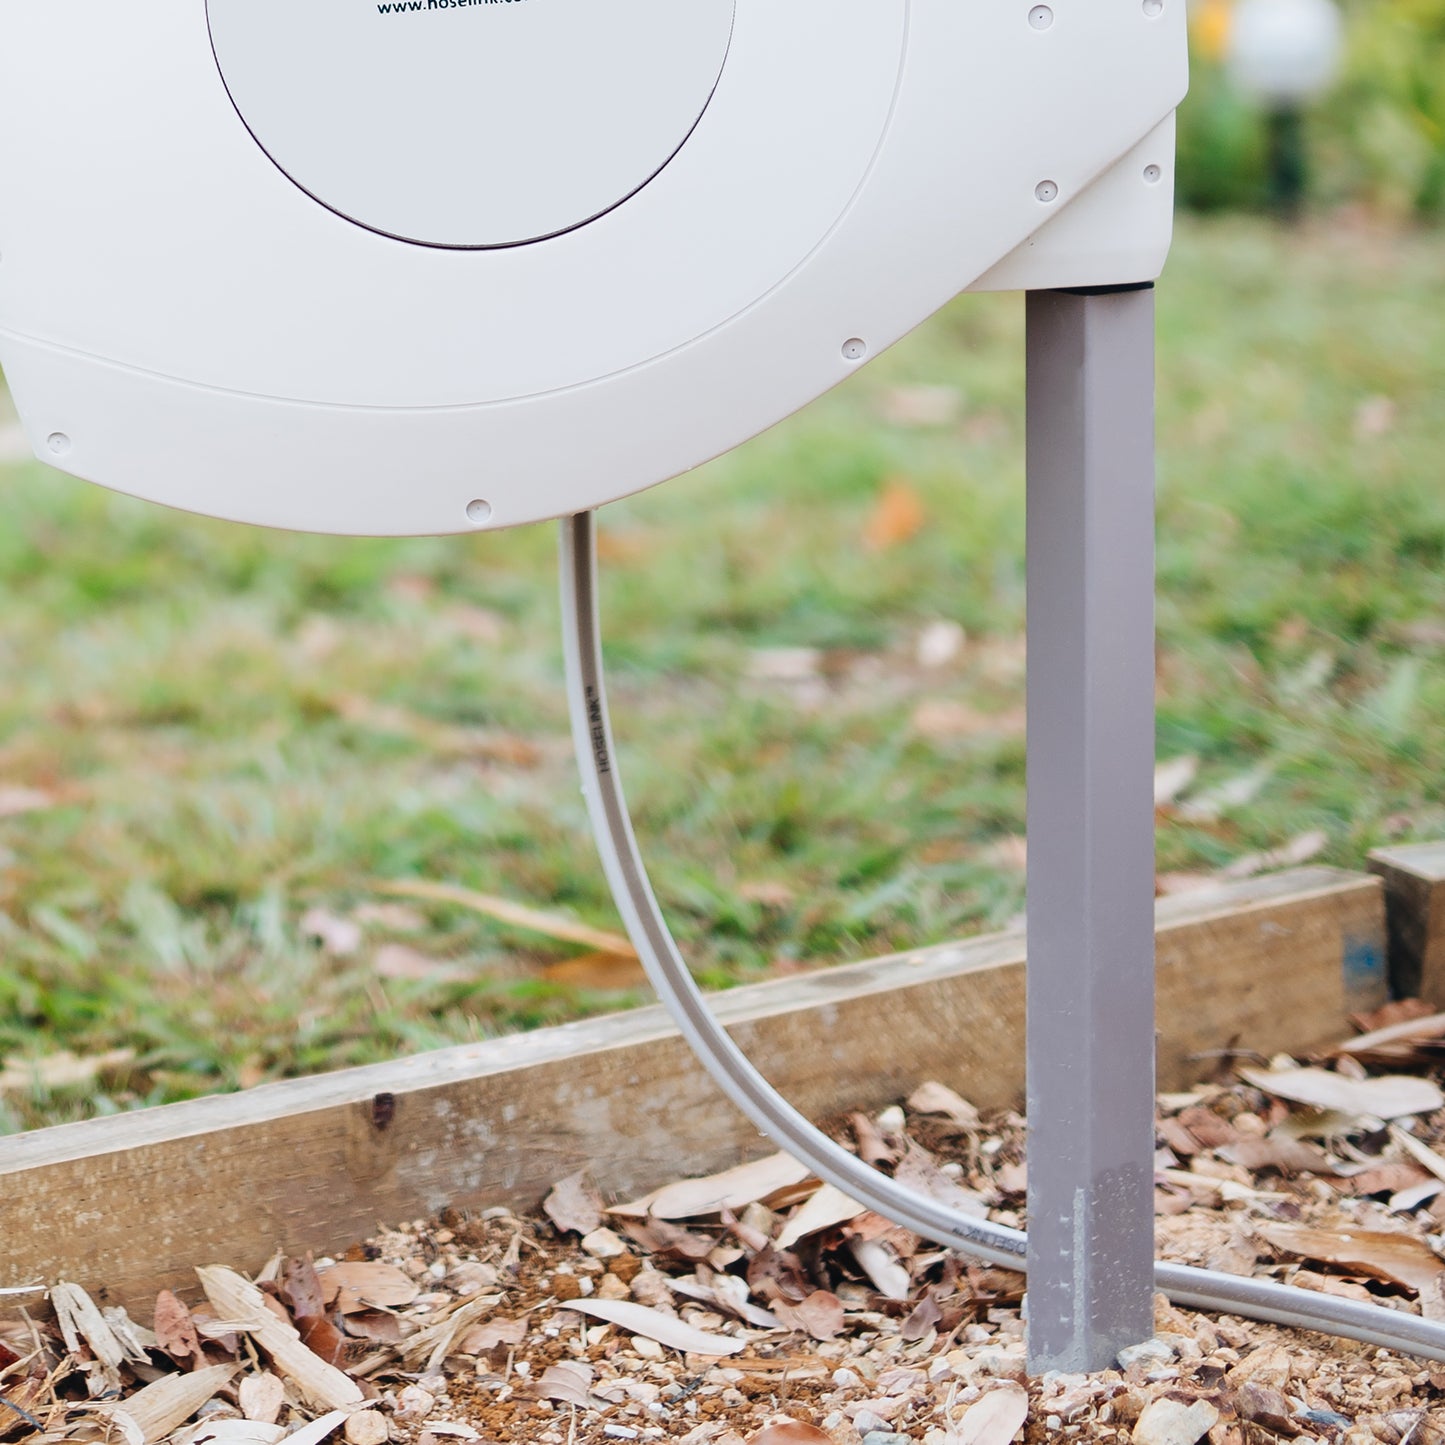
(760, 1308)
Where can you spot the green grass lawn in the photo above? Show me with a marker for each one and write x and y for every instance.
(223, 729)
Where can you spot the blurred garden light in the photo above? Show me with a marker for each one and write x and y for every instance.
(1282, 54)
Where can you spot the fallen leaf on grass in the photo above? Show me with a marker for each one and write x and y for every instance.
(1389, 1097)
(356, 1286)
(396, 917)
(1287, 855)
(1212, 804)
(1010, 852)
(515, 915)
(597, 973)
(1375, 417)
(897, 516)
(405, 964)
(654, 1325)
(243, 1306)
(921, 405)
(498, 747)
(62, 1071)
(732, 1189)
(574, 1204)
(1172, 776)
(14, 801)
(941, 718)
(994, 1420)
(340, 937)
(1396, 1258)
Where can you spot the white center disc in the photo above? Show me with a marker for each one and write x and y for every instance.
(471, 123)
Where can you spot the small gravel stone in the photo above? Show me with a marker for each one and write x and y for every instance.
(414, 1403)
(1172, 1422)
(366, 1427)
(886, 1437)
(1149, 1352)
(604, 1244)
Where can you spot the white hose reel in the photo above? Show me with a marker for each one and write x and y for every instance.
(422, 266)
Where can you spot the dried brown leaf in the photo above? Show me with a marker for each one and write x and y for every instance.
(356, 1286)
(936, 1098)
(996, 1419)
(322, 1338)
(568, 1382)
(819, 1315)
(514, 915)
(732, 1189)
(162, 1407)
(1389, 1097)
(826, 1207)
(481, 1338)
(1288, 1156)
(175, 1332)
(405, 964)
(239, 1301)
(897, 516)
(654, 1325)
(597, 973)
(574, 1204)
(340, 937)
(790, 1432)
(1396, 1258)
(17, 800)
(301, 1289)
(62, 1071)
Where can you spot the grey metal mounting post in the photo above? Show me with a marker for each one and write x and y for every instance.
(1090, 825)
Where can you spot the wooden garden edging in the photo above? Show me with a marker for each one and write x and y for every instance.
(1414, 878)
(126, 1205)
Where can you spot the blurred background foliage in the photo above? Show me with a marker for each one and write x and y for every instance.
(1377, 139)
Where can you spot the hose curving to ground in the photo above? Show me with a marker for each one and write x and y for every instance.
(765, 1107)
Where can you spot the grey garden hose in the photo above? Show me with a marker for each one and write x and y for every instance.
(760, 1102)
